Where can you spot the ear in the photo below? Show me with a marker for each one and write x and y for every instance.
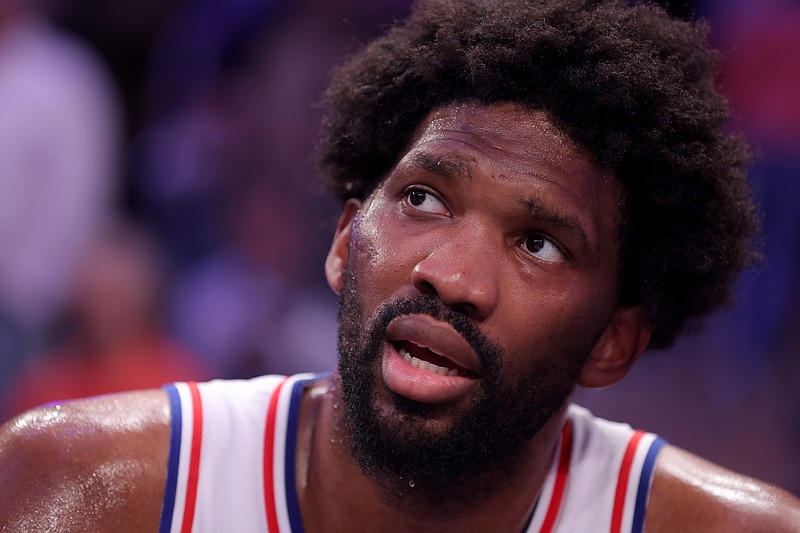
(620, 345)
(339, 252)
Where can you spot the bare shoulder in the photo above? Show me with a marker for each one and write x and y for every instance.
(691, 494)
(88, 465)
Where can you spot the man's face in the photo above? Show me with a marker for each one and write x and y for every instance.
(480, 274)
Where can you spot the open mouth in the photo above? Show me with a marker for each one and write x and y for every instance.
(425, 359)
(428, 361)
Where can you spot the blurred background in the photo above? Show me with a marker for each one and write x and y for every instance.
(160, 218)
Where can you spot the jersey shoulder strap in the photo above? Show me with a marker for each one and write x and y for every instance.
(600, 478)
(228, 467)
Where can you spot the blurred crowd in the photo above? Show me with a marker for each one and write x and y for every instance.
(160, 217)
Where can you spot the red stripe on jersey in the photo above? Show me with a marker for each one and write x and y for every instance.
(269, 461)
(194, 458)
(622, 482)
(561, 480)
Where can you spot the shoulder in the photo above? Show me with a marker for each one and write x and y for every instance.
(691, 494)
(89, 465)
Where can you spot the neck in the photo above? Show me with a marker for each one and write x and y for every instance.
(335, 495)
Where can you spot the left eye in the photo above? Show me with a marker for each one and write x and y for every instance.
(425, 201)
(542, 248)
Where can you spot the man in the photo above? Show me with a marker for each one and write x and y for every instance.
(534, 193)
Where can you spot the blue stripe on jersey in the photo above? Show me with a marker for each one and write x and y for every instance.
(644, 485)
(292, 505)
(171, 487)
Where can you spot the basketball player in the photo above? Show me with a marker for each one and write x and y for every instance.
(534, 193)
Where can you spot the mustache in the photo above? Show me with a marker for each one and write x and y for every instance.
(489, 353)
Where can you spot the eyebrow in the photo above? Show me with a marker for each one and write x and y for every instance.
(551, 217)
(448, 168)
(453, 169)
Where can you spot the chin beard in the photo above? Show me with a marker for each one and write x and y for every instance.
(402, 446)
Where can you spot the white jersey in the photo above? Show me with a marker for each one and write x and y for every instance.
(232, 464)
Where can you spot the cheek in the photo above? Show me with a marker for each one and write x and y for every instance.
(376, 257)
(558, 320)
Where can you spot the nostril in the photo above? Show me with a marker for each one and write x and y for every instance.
(426, 287)
(466, 309)
(471, 288)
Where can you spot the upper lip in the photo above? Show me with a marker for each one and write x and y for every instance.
(435, 335)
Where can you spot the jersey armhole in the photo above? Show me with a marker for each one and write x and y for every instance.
(173, 461)
(645, 481)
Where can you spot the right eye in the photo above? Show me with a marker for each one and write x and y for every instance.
(542, 248)
(423, 200)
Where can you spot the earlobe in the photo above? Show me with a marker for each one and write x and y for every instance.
(620, 345)
(339, 252)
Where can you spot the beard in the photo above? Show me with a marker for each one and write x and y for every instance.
(405, 446)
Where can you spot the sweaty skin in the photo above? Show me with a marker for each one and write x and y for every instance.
(86, 465)
(493, 211)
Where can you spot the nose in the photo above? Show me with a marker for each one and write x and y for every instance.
(462, 277)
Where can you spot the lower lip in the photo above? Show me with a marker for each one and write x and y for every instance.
(420, 385)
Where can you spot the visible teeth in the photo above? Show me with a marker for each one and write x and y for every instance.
(425, 365)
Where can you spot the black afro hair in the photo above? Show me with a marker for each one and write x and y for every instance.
(629, 83)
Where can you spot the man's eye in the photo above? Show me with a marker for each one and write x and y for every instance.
(542, 248)
(425, 201)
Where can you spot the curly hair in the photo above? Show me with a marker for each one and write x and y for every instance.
(628, 83)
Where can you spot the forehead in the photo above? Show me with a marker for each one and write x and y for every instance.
(512, 145)
(500, 126)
